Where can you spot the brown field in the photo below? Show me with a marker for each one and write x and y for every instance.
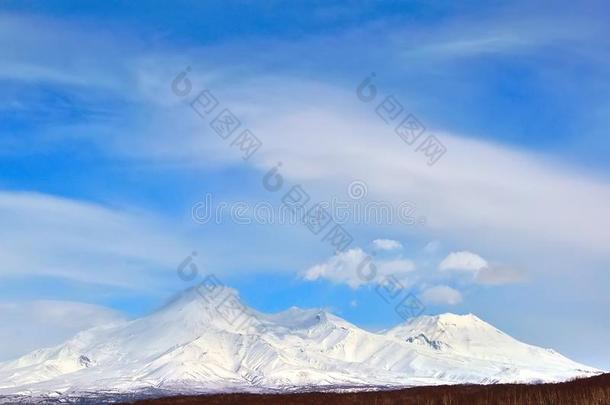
(588, 391)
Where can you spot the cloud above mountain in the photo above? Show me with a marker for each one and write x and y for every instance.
(357, 268)
(481, 271)
(463, 261)
(30, 325)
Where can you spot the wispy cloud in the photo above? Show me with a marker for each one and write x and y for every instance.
(43, 323)
(464, 197)
(75, 240)
(387, 244)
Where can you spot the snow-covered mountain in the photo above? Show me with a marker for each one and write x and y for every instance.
(204, 341)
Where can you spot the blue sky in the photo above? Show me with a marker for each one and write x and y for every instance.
(101, 164)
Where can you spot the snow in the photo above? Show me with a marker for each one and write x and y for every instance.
(203, 342)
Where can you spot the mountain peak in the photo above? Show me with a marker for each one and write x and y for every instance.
(445, 331)
(446, 319)
(465, 319)
(204, 306)
(201, 293)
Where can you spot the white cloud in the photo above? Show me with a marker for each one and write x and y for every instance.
(482, 272)
(27, 326)
(45, 235)
(441, 294)
(463, 261)
(356, 268)
(387, 244)
(341, 268)
(466, 37)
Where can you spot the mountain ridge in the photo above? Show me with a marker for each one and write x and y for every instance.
(208, 341)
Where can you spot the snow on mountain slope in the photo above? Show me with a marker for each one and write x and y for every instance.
(204, 341)
(469, 337)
